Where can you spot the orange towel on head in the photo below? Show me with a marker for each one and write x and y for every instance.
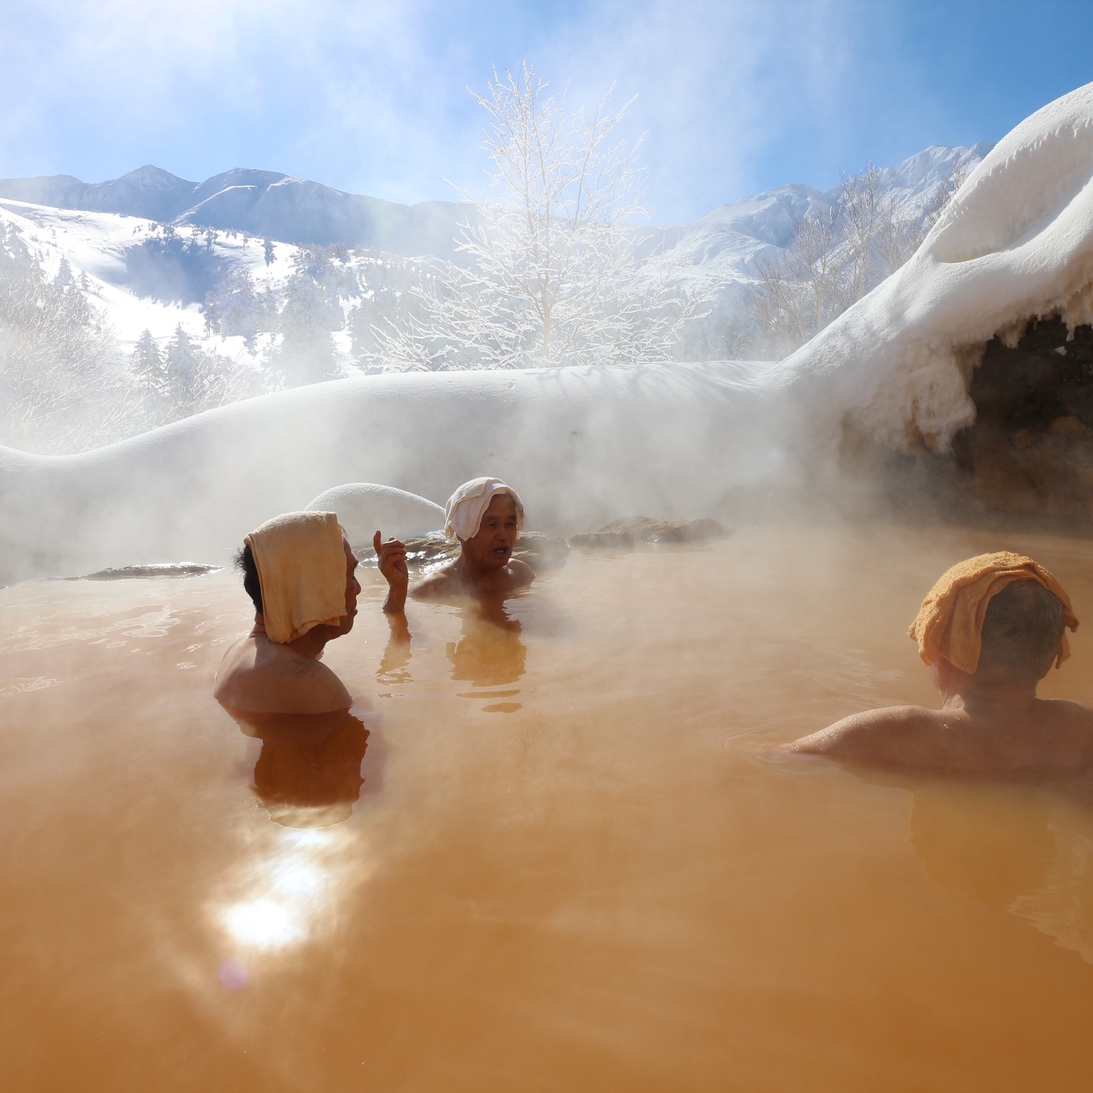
(950, 622)
(301, 569)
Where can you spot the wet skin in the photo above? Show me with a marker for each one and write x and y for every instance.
(485, 563)
(984, 726)
(261, 676)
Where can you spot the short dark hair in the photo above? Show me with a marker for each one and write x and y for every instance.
(1021, 632)
(244, 561)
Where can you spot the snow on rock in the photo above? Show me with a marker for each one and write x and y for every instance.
(1016, 242)
(363, 508)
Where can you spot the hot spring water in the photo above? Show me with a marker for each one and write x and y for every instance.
(572, 864)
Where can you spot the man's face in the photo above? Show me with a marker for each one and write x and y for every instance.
(352, 590)
(492, 546)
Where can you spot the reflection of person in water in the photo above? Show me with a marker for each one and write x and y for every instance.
(1018, 845)
(988, 841)
(490, 652)
(308, 773)
(989, 631)
(300, 573)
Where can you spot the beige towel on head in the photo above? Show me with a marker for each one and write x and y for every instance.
(465, 508)
(301, 568)
(950, 622)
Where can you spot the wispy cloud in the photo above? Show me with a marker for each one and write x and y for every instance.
(370, 95)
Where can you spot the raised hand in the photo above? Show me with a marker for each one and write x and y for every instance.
(392, 564)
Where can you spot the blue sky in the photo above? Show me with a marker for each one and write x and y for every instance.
(733, 97)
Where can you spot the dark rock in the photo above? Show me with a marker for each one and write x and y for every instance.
(541, 552)
(644, 531)
(144, 572)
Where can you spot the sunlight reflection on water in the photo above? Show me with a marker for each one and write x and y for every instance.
(294, 891)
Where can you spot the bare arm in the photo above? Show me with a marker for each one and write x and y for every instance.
(392, 563)
(904, 735)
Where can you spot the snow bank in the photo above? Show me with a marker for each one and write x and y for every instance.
(1016, 242)
(583, 447)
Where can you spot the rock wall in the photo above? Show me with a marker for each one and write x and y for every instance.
(1030, 450)
(1028, 455)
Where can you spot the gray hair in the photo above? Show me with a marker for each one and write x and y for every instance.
(1021, 633)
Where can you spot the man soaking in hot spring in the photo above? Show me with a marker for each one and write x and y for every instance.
(485, 516)
(989, 631)
(299, 571)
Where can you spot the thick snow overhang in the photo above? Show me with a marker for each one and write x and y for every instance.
(1014, 244)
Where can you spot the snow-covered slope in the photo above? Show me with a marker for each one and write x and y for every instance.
(1016, 242)
(583, 446)
(100, 228)
(102, 245)
(726, 245)
(262, 203)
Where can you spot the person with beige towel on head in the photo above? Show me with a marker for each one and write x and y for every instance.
(989, 631)
(299, 571)
(486, 516)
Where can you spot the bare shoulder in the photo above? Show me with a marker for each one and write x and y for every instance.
(891, 734)
(441, 582)
(1069, 729)
(447, 581)
(1065, 712)
(265, 678)
(522, 573)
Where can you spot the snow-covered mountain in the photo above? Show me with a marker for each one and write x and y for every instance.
(266, 204)
(725, 243)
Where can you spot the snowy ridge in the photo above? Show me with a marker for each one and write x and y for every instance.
(262, 203)
(1015, 243)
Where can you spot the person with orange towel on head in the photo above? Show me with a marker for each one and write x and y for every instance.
(989, 631)
(485, 516)
(299, 571)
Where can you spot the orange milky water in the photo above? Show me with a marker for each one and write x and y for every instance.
(572, 865)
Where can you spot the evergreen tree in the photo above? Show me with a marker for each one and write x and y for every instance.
(183, 386)
(306, 352)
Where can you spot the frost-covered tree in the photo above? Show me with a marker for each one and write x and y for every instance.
(150, 375)
(552, 274)
(199, 380)
(308, 317)
(62, 386)
(235, 306)
(840, 252)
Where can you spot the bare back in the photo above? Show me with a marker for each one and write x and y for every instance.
(260, 676)
(1044, 735)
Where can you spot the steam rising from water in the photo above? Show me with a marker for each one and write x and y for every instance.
(583, 446)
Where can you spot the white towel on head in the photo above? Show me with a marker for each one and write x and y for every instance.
(465, 508)
(301, 569)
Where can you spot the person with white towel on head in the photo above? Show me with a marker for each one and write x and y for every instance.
(486, 516)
